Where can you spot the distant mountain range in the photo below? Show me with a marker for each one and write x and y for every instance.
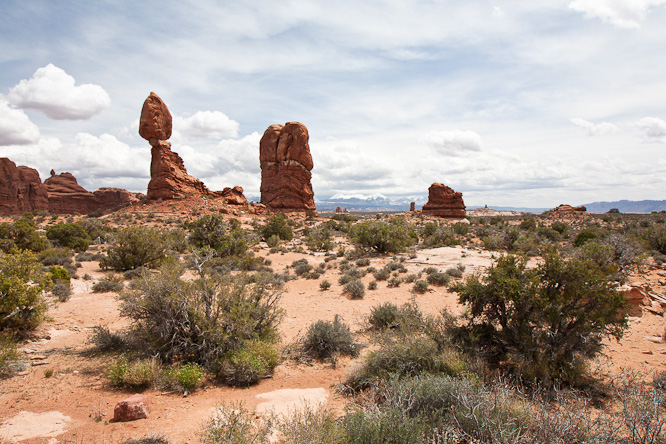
(379, 202)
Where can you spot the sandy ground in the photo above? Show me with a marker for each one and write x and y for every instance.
(76, 402)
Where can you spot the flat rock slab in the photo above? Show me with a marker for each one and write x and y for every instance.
(285, 401)
(28, 425)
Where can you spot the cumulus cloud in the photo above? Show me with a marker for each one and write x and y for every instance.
(207, 124)
(595, 129)
(15, 126)
(55, 93)
(620, 13)
(453, 143)
(653, 129)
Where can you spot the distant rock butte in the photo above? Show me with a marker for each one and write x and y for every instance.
(21, 189)
(444, 202)
(286, 162)
(568, 209)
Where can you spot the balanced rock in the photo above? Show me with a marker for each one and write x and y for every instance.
(155, 122)
(66, 196)
(21, 189)
(132, 408)
(286, 162)
(444, 202)
(168, 176)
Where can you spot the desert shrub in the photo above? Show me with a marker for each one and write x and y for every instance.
(583, 237)
(56, 256)
(362, 262)
(9, 356)
(548, 233)
(205, 319)
(301, 267)
(394, 282)
(59, 274)
(411, 278)
(438, 279)
(246, 366)
(355, 289)
(103, 340)
(420, 286)
(273, 242)
(324, 285)
(310, 426)
(392, 237)
(85, 257)
(455, 272)
(384, 426)
(656, 239)
(212, 231)
(70, 235)
(21, 235)
(104, 286)
(185, 378)
(314, 275)
(137, 375)
(22, 286)
(659, 380)
(528, 224)
(132, 274)
(405, 356)
(324, 339)
(62, 291)
(372, 285)
(382, 274)
(277, 225)
(460, 228)
(542, 322)
(435, 235)
(135, 246)
(150, 439)
(560, 227)
(319, 239)
(383, 316)
(234, 425)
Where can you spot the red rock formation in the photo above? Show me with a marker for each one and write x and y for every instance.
(168, 176)
(565, 210)
(21, 189)
(155, 122)
(66, 196)
(286, 162)
(111, 198)
(234, 196)
(412, 206)
(444, 202)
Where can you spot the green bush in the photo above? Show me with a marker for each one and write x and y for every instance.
(61, 290)
(438, 279)
(324, 339)
(22, 287)
(382, 274)
(70, 235)
(383, 316)
(212, 231)
(542, 322)
(455, 272)
(528, 224)
(137, 375)
(277, 225)
(355, 289)
(248, 365)
(435, 235)
(135, 246)
(420, 286)
(560, 227)
(301, 267)
(103, 340)
(319, 239)
(234, 425)
(107, 286)
(384, 426)
(21, 235)
(324, 285)
(460, 228)
(392, 237)
(10, 358)
(372, 285)
(205, 319)
(394, 282)
(583, 237)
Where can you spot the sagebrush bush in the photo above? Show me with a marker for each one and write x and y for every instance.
(62, 291)
(394, 282)
(103, 340)
(137, 375)
(383, 316)
(301, 267)
(382, 274)
(372, 285)
(319, 239)
(104, 286)
(324, 285)
(135, 246)
(355, 289)
(438, 279)
(249, 364)
(420, 286)
(325, 339)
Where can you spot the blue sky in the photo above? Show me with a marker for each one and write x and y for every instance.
(513, 103)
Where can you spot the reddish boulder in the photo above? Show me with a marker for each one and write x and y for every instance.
(21, 189)
(168, 176)
(286, 162)
(132, 408)
(111, 198)
(444, 202)
(66, 196)
(155, 122)
(233, 196)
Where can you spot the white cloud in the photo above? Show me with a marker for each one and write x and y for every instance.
(653, 129)
(207, 124)
(620, 13)
(453, 143)
(15, 126)
(54, 92)
(595, 129)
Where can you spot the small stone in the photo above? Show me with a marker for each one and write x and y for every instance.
(647, 352)
(132, 408)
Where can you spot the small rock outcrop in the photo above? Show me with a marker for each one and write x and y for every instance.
(444, 202)
(286, 162)
(412, 206)
(234, 196)
(21, 189)
(132, 408)
(111, 198)
(66, 196)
